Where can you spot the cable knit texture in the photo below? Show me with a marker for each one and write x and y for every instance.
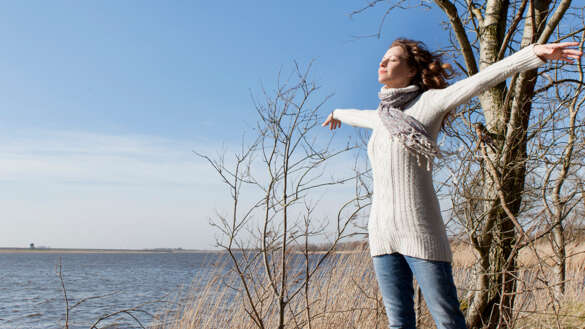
(405, 216)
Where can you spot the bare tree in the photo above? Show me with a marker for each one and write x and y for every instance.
(561, 189)
(283, 165)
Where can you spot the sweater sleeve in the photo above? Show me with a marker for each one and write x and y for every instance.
(444, 100)
(356, 118)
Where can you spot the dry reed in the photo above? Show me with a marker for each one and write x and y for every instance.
(344, 294)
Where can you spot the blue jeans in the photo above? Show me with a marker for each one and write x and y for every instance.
(394, 273)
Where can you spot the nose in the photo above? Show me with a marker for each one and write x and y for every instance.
(383, 63)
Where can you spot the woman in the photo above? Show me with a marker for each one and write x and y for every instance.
(406, 232)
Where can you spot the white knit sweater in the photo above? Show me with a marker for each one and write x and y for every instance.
(405, 216)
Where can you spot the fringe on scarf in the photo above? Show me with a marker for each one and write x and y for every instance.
(407, 130)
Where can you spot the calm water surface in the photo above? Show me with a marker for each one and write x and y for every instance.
(31, 295)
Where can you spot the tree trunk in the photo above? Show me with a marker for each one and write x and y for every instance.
(561, 259)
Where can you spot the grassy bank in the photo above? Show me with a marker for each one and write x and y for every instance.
(345, 295)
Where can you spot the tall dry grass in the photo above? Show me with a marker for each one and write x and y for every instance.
(345, 295)
(536, 305)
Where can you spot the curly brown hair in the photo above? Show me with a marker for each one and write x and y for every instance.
(431, 73)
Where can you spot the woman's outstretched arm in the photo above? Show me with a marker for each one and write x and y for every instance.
(528, 58)
(356, 118)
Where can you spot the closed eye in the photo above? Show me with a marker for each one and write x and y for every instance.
(390, 59)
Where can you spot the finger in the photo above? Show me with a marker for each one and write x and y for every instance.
(572, 55)
(568, 60)
(563, 44)
(572, 52)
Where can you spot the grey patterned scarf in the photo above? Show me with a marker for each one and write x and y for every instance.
(411, 133)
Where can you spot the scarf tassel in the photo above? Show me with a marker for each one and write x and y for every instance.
(406, 129)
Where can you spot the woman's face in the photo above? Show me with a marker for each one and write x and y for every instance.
(394, 71)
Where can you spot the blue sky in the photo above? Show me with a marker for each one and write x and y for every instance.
(103, 103)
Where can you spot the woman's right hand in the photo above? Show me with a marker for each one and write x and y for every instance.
(333, 123)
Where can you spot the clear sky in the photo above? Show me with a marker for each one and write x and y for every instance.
(103, 102)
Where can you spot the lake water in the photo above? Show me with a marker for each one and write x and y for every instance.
(31, 296)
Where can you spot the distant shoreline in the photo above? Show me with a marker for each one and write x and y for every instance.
(6, 250)
(104, 251)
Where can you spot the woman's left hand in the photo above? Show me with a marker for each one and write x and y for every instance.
(558, 51)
